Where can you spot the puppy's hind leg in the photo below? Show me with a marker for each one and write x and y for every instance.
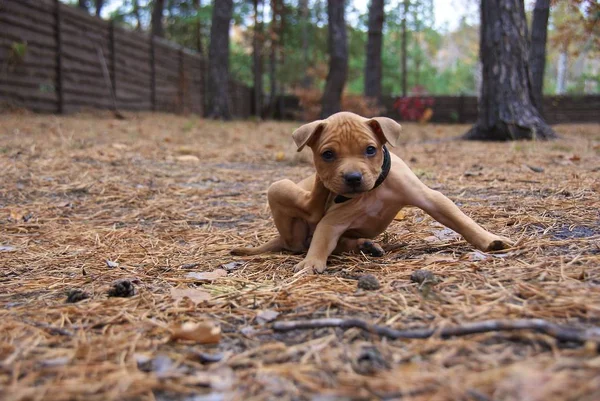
(275, 245)
(294, 209)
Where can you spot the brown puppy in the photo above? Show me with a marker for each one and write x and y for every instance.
(358, 189)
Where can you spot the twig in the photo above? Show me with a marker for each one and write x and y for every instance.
(49, 328)
(539, 325)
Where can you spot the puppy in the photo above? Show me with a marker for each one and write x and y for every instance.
(358, 189)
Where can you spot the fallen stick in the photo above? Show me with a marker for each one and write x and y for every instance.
(538, 325)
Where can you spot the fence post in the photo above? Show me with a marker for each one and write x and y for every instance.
(113, 57)
(152, 75)
(59, 86)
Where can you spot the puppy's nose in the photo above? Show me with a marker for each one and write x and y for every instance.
(353, 179)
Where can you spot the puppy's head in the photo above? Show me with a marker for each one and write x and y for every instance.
(348, 149)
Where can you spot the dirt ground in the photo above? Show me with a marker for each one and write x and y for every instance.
(158, 201)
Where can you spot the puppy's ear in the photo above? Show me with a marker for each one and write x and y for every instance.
(304, 134)
(386, 129)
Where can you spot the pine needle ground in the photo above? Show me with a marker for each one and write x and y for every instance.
(88, 200)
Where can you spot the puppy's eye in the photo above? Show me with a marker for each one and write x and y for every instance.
(328, 155)
(371, 151)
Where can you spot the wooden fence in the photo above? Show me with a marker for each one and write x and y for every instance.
(58, 59)
(463, 109)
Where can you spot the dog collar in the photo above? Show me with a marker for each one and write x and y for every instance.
(385, 169)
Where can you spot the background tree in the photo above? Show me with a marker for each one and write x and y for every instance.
(99, 5)
(373, 50)
(575, 37)
(439, 59)
(136, 12)
(276, 27)
(338, 61)
(405, 9)
(83, 4)
(199, 46)
(305, 21)
(257, 70)
(157, 18)
(537, 51)
(218, 59)
(506, 110)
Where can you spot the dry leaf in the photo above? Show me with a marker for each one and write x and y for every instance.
(188, 159)
(445, 234)
(7, 248)
(266, 316)
(207, 276)
(195, 295)
(119, 146)
(535, 168)
(279, 156)
(111, 264)
(232, 266)
(201, 332)
(400, 215)
(477, 256)
(186, 150)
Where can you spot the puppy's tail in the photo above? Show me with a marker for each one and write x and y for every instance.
(275, 245)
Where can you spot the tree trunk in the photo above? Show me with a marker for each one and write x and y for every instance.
(138, 18)
(218, 57)
(157, 18)
(306, 81)
(404, 46)
(199, 47)
(273, 58)
(537, 52)
(506, 110)
(373, 51)
(257, 61)
(82, 4)
(99, 5)
(561, 73)
(338, 61)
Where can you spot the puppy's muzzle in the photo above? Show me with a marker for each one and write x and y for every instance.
(353, 179)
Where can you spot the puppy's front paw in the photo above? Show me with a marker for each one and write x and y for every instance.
(311, 266)
(498, 243)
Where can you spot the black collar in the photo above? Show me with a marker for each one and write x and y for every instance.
(385, 169)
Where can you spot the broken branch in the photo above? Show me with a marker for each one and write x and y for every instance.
(538, 325)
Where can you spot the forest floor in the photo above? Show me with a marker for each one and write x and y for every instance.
(157, 201)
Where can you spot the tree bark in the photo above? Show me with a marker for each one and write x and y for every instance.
(506, 110)
(561, 72)
(373, 51)
(537, 52)
(404, 47)
(338, 61)
(157, 18)
(257, 61)
(218, 56)
(99, 5)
